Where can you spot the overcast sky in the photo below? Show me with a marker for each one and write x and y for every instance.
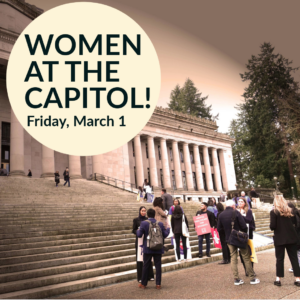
(211, 41)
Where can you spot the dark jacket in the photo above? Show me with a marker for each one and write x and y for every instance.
(66, 175)
(176, 224)
(253, 194)
(224, 222)
(210, 215)
(167, 201)
(144, 230)
(56, 177)
(249, 219)
(284, 229)
(135, 226)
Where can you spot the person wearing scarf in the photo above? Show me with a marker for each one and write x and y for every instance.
(136, 225)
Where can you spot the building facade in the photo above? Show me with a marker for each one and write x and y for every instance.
(174, 151)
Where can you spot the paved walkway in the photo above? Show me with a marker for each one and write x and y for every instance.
(210, 281)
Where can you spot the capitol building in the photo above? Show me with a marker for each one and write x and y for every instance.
(184, 154)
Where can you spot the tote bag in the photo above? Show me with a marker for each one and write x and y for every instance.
(185, 231)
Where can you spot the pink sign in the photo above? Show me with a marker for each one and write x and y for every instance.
(202, 225)
(216, 238)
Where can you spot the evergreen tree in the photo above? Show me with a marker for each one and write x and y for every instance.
(238, 131)
(188, 100)
(270, 77)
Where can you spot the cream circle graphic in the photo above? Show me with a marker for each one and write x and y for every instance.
(83, 78)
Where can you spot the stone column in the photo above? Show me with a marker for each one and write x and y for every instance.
(138, 160)
(152, 161)
(216, 169)
(198, 168)
(165, 163)
(96, 164)
(207, 170)
(16, 147)
(222, 154)
(75, 167)
(47, 162)
(188, 167)
(177, 168)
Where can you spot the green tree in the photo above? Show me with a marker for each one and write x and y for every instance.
(241, 158)
(188, 100)
(270, 80)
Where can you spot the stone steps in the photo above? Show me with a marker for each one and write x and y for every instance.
(56, 241)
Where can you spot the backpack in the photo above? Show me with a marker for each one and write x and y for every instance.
(155, 240)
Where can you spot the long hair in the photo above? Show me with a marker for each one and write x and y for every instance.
(281, 206)
(210, 202)
(177, 212)
(246, 207)
(220, 207)
(158, 202)
(176, 199)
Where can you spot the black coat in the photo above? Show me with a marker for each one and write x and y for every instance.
(66, 175)
(284, 229)
(176, 224)
(135, 227)
(224, 222)
(210, 215)
(56, 177)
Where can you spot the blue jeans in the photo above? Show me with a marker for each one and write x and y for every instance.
(67, 181)
(200, 242)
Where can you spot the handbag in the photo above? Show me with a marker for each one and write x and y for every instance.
(185, 231)
(237, 238)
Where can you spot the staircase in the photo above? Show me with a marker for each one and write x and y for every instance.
(60, 240)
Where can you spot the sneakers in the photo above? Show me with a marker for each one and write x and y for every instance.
(254, 281)
(291, 270)
(179, 260)
(151, 279)
(238, 281)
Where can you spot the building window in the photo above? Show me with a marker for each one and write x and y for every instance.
(149, 179)
(204, 182)
(133, 149)
(161, 178)
(184, 181)
(135, 178)
(210, 160)
(201, 157)
(159, 155)
(171, 154)
(147, 156)
(173, 180)
(181, 155)
(192, 157)
(195, 181)
(213, 181)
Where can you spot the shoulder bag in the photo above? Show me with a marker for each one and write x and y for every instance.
(185, 231)
(237, 238)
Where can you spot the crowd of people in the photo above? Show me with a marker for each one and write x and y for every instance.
(234, 221)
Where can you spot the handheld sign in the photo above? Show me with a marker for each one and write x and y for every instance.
(202, 225)
(216, 238)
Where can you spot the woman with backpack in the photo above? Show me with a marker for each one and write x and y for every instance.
(283, 222)
(56, 178)
(139, 262)
(176, 223)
